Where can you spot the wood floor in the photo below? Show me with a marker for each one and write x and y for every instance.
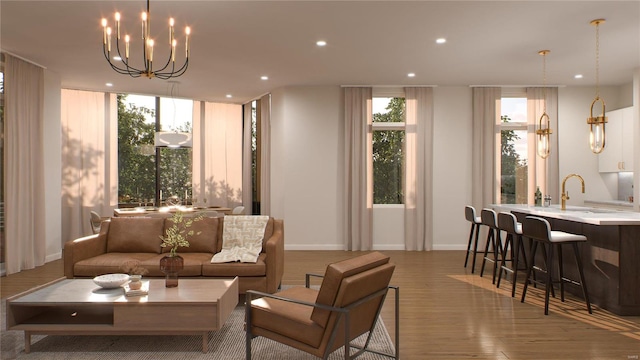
(448, 313)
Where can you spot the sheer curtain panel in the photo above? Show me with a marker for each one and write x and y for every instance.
(543, 172)
(485, 135)
(89, 159)
(217, 154)
(418, 213)
(358, 139)
(24, 167)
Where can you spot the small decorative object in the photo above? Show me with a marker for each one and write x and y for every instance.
(111, 281)
(135, 272)
(175, 237)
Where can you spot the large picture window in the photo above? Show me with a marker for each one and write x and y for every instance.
(148, 175)
(514, 151)
(388, 149)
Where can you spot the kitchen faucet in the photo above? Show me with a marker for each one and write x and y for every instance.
(565, 195)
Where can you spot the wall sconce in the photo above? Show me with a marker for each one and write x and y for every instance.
(597, 135)
(544, 125)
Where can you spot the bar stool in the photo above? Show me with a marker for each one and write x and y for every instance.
(513, 244)
(488, 217)
(470, 215)
(539, 230)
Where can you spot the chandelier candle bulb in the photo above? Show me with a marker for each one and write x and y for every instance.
(126, 48)
(104, 31)
(173, 51)
(150, 51)
(187, 31)
(108, 39)
(118, 24)
(144, 25)
(171, 22)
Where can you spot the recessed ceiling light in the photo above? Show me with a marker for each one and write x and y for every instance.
(109, 84)
(441, 41)
(411, 75)
(321, 43)
(578, 76)
(229, 96)
(117, 58)
(264, 77)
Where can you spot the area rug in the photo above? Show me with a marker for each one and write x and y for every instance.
(226, 344)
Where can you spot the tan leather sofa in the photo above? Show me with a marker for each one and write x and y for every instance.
(125, 239)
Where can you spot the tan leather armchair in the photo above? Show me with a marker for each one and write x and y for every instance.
(319, 322)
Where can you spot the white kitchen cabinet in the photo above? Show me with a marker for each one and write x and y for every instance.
(617, 155)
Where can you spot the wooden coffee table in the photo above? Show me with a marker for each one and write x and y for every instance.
(80, 307)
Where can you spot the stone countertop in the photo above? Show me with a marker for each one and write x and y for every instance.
(587, 215)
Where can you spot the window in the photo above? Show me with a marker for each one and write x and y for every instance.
(148, 175)
(388, 149)
(2, 239)
(514, 152)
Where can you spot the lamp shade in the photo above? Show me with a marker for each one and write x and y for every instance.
(173, 139)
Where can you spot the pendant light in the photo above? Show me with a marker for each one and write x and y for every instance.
(544, 124)
(597, 135)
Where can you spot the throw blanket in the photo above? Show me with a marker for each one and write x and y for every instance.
(241, 239)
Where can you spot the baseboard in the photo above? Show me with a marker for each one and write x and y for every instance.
(52, 257)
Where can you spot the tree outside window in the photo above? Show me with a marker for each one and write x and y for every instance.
(388, 151)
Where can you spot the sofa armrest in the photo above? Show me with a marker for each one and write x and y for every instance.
(274, 248)
(81, 249)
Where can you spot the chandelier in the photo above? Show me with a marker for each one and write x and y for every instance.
(597, 134)
(121, 64)
(544, 129)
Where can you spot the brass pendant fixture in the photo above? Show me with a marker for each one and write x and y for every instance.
(544, 124)
(121, 62)
(597, 135)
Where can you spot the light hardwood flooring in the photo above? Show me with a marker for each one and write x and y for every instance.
(448, 313)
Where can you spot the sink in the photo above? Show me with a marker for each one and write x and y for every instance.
(590, 211)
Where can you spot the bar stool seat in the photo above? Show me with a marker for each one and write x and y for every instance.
(539, 230)
(476, 221)
(513, 248)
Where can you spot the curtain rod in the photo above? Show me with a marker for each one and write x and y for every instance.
(23, 59)
(390, 86)
(518, 86)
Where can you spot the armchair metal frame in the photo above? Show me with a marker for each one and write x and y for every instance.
(342, 311)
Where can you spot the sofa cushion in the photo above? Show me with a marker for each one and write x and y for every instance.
(231, 269)
(135, 235)
(268, 232)
(108, 263)
(192, 264)
(204, 238)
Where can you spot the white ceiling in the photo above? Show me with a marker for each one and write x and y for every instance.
(369, 43)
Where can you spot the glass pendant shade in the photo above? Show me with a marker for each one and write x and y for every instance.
(543, 135)
(597, 134)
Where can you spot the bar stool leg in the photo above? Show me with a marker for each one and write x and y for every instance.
(549, 283)
(516, 262)
(534, 248)
(508, 246)
(466, 259)
(561, 272)
(585, 293)
(490, 242)
(475, 249)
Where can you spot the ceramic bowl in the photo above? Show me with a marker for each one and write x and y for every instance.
(110, 281)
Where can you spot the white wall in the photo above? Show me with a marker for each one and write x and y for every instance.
(307, 160)
(52, 165)
(308, 155)
(451, 166)
(574, 152)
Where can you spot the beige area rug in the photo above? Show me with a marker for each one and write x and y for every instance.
(226, 344)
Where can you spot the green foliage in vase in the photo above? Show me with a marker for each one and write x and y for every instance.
(177, 235)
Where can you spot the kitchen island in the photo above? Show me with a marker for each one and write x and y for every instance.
(611, 255)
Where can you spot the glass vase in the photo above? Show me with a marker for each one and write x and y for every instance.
(171, 266)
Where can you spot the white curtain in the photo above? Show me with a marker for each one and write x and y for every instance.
(89, 159)
(265, 155)
(542, 172)
(358, 139)
(217, 154)
(485, 135)
(24, 167)
(418, 186)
